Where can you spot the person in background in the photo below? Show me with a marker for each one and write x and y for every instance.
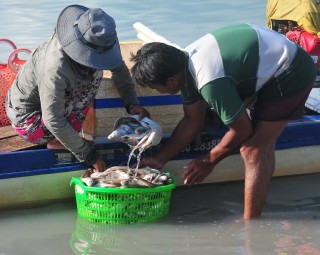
(299, 21)
(55, 88)
(230, 70)
(302, 14)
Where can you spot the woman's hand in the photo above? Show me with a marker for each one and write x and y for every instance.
(139, 110)
(99, 166)
(197, 170)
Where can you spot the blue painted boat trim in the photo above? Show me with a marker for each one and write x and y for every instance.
(145, 101)
(300, 133)
(61, 169)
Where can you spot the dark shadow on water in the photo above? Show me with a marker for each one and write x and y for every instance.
(294, 197)
(206, 203)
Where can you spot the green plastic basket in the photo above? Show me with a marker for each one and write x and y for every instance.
(122, 205)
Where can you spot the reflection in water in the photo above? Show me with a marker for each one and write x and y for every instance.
(292, 237)
(90, 237)
(251, 237)
(298, 239)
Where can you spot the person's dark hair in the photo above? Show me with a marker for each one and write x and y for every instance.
(155, 62)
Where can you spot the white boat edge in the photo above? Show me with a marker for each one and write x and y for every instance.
(48, 188)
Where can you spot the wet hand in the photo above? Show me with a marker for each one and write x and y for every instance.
(197, 170)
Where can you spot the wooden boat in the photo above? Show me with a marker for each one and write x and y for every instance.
(38, 175)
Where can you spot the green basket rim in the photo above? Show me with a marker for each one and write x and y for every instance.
(77, 180)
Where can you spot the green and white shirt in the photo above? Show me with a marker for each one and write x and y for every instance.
(232, 64)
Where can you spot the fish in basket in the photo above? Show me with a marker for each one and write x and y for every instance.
(134, 202)
(121, 194)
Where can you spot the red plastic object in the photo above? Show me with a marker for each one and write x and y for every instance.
(8, 72)
(309, 42)
(294, 35)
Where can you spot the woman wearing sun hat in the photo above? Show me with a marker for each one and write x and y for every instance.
(53, 91)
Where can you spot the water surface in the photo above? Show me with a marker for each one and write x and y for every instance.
(28, 23)
(202, 220)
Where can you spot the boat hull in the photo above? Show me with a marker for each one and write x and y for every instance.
(34, 190)
(41, 176)
(295, 161)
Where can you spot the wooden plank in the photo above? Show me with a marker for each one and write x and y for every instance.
(7, 131)
(88, 125)
(126, 49)
(10, 141)
(14, 143)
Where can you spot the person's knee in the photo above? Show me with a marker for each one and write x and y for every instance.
(55, 145)
(249, 153)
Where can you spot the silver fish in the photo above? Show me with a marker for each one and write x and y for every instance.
(86, 177)
(89, 181)
(150, 177)
(114, 168)
(139, 183)
(129, 130)
(141, 130)
(87, 173)
(98, 175)
(123, 176)
(121, 131)
(106, 185)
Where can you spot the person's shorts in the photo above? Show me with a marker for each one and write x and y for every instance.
(31, 127)
(284, 97)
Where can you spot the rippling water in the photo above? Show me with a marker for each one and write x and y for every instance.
(28, 23)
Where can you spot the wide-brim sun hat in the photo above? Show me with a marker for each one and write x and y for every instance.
(89, 37)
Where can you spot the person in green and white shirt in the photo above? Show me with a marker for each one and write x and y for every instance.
(230, 70)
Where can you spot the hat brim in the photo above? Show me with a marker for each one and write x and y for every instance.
(80, 52)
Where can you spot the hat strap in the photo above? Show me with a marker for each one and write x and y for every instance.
(92, 46)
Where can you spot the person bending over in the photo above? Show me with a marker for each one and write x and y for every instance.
(230, 70)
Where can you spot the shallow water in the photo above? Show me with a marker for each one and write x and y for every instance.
(202, 220)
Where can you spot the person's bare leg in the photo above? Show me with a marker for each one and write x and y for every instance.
(258, 154)
(54, 144)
